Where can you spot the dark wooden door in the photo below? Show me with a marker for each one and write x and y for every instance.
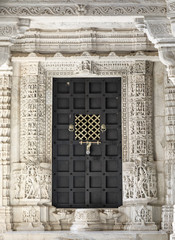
(87, 106)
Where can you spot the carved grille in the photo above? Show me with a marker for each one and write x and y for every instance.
(87, 127)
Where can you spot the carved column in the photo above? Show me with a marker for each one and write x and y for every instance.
(161, 32)
(139, 172)
(5, 98)
(167, 210)
(32, 175)
(167, 57)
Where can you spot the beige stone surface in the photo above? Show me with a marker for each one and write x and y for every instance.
(100, 235)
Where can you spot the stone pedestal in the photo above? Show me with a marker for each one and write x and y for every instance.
(86, 220)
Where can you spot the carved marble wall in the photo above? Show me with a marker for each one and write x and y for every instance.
(141, 177)
(25, 121)
(31, 174)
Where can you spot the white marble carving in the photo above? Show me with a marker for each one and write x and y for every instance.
(32, 181)
(33, 177)
(84, 9)
(5, 103)
(140, 181)
(29, 198)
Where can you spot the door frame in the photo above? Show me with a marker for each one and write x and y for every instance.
(41, 71)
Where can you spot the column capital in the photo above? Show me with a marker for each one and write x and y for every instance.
(159, 32)
(167, 57)
(10, 29)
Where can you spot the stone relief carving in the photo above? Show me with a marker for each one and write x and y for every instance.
(109, 214)
(160, 29)
(167, 218)
(63, 217)
(7, 30)
(143, 215)
(140, 182)
(171, 6)
(31, 215)
(32, 182)
(32, 113)
(140, 111)
(82, 9)
(142, 219)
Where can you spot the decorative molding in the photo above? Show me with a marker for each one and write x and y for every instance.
(7, 30)
(82, 40)
(78, 68)
(84, 10)
(158, 30)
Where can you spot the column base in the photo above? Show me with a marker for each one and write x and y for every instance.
(28, 226)
(86, 220)
(141, 227)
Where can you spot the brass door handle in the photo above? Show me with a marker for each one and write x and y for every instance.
(88, 145)
(103, 128)
(71, 128)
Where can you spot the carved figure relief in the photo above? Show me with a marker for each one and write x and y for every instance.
(32, 182)
(140, 182)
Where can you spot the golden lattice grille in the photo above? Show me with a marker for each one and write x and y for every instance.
(87, 127)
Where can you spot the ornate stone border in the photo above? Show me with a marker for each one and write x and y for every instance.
(83, 10)
(75, 69)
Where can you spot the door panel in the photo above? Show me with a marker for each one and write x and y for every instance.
(84, 180)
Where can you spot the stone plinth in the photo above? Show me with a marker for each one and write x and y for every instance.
(86, 220)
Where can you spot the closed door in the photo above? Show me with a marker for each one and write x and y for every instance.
(87, 155)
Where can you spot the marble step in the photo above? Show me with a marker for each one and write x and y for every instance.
(93, 235)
